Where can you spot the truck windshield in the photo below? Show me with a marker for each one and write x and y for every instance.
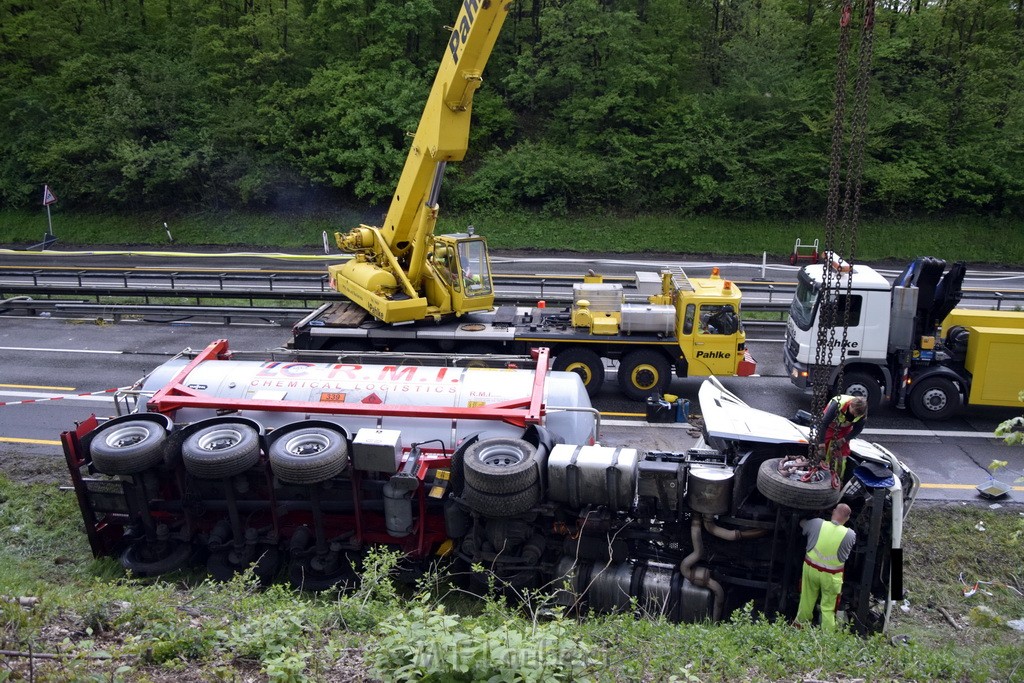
(805, 301)
(475, 271)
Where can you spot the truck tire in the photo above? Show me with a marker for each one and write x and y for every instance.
(412, 347)
(474, 351)
(303, 577)
(144, 559)
(817, 495)
(495, 505)
(264, 567)
(864, 385)
(585, 363)
(457, 473)
(500, 465)
(309, 456)
(221, 450)
(128, 447)
(935, 398)
(643, 373)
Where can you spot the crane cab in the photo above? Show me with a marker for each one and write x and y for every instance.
(462, 264)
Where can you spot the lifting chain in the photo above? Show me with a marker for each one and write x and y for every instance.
(848, 224)
(841, 231)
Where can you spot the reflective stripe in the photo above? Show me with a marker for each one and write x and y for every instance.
(825, 553)
(823, 569)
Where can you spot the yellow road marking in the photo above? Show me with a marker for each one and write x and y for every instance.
(36, 386)
(44, 442)
(961, 487)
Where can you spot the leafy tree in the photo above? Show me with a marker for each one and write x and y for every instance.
(710, 106)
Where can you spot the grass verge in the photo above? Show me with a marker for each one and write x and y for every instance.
(94, 623)
(971, 239)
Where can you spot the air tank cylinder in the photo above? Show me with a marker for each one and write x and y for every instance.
(397, 510)
(709, 489)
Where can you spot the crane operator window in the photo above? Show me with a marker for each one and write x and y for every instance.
(718, 320)
(476, 274)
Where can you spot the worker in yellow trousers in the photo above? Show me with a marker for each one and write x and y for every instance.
(829, 544)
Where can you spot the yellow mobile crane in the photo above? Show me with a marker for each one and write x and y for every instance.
(433, 293)
(402, 272)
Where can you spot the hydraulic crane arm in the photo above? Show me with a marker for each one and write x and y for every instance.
(443, 132)
(393, 276)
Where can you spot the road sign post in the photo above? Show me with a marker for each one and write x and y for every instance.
(48, 198)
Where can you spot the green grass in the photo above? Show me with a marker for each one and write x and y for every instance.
(111, 628)
(972, 239)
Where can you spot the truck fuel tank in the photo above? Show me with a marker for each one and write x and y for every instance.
(657, 318)
(592, 475)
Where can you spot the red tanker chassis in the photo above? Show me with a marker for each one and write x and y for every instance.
(241, 490)
(296, 468)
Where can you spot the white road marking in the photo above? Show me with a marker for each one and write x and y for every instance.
(934, 433)
(944, 434)
(70, 397)
(37, 350)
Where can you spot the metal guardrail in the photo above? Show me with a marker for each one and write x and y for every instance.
(222, 280)
(510, 289)
(227, 315)
(148, 293)
(314, 286)
(760, 297)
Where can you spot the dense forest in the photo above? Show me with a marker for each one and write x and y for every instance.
(719, 107)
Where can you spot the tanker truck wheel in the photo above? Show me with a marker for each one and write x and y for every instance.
(128, 447)
(221, 450)
(413, 347)
(495, 505)
(500, 465)
(643, 373)
(585, 363)
(303, 576)
(264, 567)
(309, 456)
(144, 559)
(812, 495)
(474, 353)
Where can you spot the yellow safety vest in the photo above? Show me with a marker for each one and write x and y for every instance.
(842, 401)
(824, 555)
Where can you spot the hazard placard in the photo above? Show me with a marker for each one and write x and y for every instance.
(48, 196)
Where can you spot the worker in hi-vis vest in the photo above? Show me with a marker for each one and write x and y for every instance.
(842, 420)
(829, 544)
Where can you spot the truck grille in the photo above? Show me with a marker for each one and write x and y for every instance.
(792, 346)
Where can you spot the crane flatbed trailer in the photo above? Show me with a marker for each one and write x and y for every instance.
(690, 328)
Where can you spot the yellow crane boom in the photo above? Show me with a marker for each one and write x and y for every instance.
(402, 272)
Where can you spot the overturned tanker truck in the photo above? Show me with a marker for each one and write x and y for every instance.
(295, 469)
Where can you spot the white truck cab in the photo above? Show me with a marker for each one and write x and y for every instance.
(867, 337)
(906, 340)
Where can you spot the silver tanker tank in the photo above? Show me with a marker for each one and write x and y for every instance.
(569, 414)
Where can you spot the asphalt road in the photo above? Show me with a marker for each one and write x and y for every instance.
(47, 358)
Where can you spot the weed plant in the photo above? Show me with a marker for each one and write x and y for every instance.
(98, 624)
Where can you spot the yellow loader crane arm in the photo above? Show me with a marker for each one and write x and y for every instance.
(402, 272)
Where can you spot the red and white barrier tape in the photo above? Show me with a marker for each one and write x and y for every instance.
(57, 398)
